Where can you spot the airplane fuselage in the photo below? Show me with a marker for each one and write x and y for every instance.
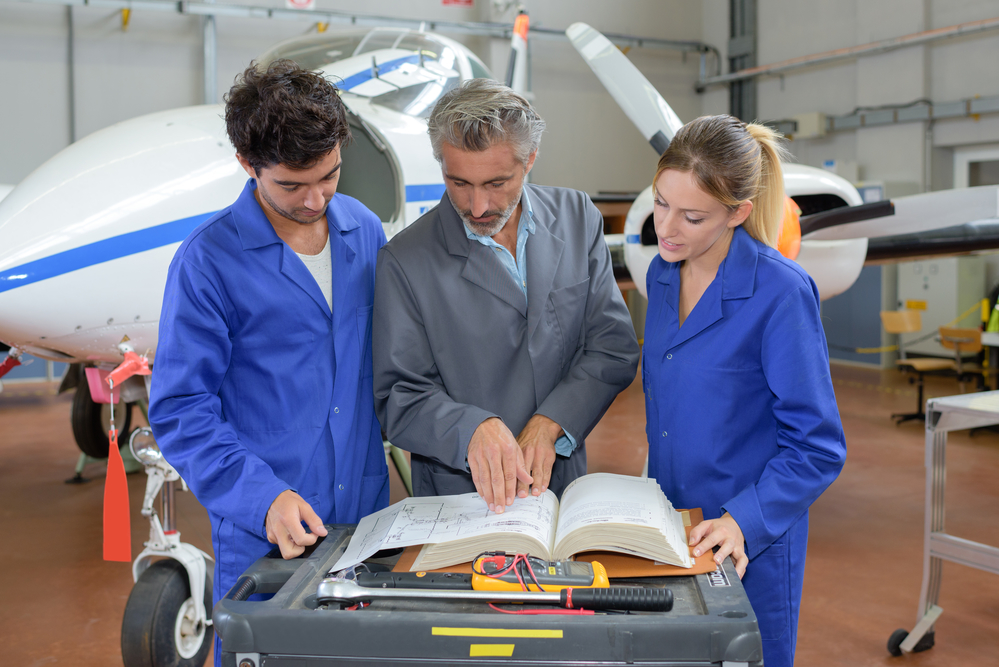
(89, 235)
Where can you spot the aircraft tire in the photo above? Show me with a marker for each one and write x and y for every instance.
(90, 423)
(156, 630)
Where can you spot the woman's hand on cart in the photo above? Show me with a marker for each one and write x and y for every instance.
(724, 533)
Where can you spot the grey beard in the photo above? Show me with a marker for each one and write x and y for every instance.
(484, 229)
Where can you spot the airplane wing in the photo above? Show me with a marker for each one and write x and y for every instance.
(844, 215)
(914, 214)
(650, 113)
(958, 240)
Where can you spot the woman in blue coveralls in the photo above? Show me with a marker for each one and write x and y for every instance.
(742, 419)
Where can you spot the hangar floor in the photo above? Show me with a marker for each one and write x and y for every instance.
(63, 605)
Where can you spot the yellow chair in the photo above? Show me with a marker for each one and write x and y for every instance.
(963, 341)
(968, 341)
(909, 321)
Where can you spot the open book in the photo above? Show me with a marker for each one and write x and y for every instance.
(602, 511)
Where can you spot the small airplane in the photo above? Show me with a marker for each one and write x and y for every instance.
(89, 235)
(91, 232)
(836, 224)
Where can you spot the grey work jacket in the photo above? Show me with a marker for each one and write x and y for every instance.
(456, 342)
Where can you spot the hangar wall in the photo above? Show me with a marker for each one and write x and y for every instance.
(156, 64)
(906, 157)
(943, 71)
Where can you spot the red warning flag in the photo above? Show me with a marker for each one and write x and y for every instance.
(117, 524)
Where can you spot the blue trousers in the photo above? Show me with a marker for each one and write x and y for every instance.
(773, 583)
(235, 551)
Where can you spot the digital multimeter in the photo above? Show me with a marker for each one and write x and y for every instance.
(499, 572)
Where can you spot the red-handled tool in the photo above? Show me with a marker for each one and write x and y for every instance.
(623, 598)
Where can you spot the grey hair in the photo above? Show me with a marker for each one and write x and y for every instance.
(482, 112)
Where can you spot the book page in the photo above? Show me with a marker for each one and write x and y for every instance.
(434, 519)
(608, 499)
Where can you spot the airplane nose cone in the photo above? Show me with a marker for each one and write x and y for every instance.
(89, 235)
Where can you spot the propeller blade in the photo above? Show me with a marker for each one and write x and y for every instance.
(639, 99)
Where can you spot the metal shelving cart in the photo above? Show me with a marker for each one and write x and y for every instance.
(943, 415)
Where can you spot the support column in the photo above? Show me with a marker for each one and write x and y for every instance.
(71, 71)
(211, 59)
(741, 55)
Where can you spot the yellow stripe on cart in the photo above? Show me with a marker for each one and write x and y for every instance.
(491, 651)
(496, 632)
(495, 650)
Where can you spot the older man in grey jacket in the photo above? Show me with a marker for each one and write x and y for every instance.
(499, 334)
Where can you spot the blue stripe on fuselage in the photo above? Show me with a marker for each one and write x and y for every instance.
(123, 245)
(428, 192)
(99, 252)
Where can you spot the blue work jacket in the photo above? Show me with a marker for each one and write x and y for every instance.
(257, 386)
(741, 415)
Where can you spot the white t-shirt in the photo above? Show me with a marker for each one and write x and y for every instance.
(321, 268)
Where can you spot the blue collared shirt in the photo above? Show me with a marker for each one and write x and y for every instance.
(517, 268)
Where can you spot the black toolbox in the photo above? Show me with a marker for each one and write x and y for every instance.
(711, 623)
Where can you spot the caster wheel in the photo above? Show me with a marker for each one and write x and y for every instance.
(158, 629)
(897, 637)
(895, 642)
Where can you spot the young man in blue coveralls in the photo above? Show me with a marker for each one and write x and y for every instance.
(261, 390)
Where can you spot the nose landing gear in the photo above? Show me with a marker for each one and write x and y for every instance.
(167, 621)
(160, 625)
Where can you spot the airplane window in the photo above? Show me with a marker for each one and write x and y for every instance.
(444, 54)
(479, 70)
(417, 42)
(416, 100)
(377, 40)
(447, 58)
(315, 51)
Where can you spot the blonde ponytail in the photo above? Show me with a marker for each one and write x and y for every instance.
(733, 162)
(764, 222)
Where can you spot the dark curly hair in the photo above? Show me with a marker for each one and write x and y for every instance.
(284, 115)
